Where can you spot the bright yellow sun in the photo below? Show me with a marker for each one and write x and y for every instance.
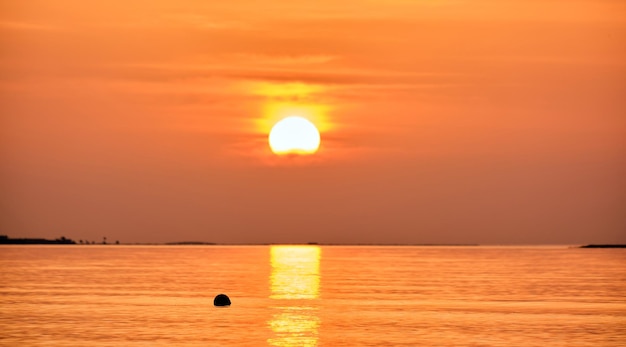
(294, 135)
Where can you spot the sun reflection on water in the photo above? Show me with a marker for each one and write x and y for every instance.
(295, 272)
(294, 281)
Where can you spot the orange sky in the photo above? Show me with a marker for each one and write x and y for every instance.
(480, 121)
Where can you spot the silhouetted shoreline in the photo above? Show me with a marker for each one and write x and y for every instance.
(603, 246)
(5, 240)
(190, 243)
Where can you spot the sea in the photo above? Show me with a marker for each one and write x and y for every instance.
(311, 295)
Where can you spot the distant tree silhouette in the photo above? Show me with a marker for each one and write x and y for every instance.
(29, 241)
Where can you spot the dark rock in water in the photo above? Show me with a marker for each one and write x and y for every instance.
(221, 300)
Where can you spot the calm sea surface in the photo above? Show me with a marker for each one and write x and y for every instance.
(312, 296)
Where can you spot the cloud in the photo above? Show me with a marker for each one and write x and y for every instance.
(326, 76)
(29, 26)
(282, 60)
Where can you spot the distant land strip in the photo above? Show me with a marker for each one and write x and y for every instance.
(5, 240)
(603, 246)
(192, 243)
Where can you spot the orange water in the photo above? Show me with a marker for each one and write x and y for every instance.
(312, 296)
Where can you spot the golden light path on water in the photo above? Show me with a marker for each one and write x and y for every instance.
(295, 279)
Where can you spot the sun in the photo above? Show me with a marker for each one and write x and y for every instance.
(294, 135)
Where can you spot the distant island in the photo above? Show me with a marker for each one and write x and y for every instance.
(603, 246)
(191, 243)
(5, 240)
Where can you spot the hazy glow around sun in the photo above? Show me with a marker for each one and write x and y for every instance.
(294, 135)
